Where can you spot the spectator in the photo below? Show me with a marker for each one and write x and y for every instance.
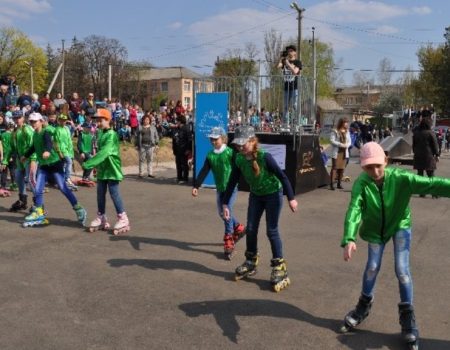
(59, 101)
(89, 104)
(5, 99)
(146, 142)
(35, 104)
(181, 145)
(75, 106)
(425, 149)
(340, 142)
(24, 99)
(45, 100)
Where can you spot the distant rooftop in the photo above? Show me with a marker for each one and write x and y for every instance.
(168, 73)
(328, 104)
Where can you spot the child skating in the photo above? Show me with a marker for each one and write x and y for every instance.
(21, 142)
(85, 147)
(379, 211)
(50, 165)
(219, 160)
(267, 182)
(63, 140)
(109, 174)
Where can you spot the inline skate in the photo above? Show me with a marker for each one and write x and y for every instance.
(407, 320)
(20, 204)
(279, 278)
(248, 268)
(71, 185)
(122, 225)
(228, 246)
(36, 218)
(99, 223)
(4, 193)
(359, 314)
(81, 214)
(85, 183)
(239, 232)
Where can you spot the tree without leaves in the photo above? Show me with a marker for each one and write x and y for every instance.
(384, 72)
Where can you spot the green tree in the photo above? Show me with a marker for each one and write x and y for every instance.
(17, 54)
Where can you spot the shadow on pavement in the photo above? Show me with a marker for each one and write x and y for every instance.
(135, 242)
(183, 265)
(226, 312)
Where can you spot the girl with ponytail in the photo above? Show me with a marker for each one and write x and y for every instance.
(267, 183)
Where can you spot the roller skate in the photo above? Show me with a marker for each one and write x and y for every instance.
(13, 187)
(36, 218)
(85, 183)
(81, 214)
(239, 232)
(71, 185)
(359, 314)
(4, 193)
(407, 320)
(248, 268)
(279, 277)
(122, 225)
(20, 204)
(99, 223)
(228, 246)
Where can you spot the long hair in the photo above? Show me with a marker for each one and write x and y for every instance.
(255, 165)
(341, 123)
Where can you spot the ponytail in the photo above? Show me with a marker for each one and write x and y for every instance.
(255, 165)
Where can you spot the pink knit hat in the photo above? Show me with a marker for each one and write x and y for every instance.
(371, 153)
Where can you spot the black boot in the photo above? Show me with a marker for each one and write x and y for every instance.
(359, 314)
(407, 320)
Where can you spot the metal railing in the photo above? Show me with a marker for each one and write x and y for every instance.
(266, 97)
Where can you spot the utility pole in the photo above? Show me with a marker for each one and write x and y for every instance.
(314, 101)
(63, 67)
(259, 85)
(300, 11)
(109, 81)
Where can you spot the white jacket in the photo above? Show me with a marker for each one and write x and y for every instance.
(336, 144)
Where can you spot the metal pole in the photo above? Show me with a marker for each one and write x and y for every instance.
(49, 90)
(32, 78)
(314, 99)
(63, 67)
(259, 85)
(109, 81)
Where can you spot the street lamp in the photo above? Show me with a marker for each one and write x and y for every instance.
(300, 11)
(30, 64)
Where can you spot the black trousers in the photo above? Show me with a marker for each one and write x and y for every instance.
(181, 162)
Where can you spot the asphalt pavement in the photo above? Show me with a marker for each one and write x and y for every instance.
(166, 285)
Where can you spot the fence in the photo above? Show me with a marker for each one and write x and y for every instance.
(267, 95)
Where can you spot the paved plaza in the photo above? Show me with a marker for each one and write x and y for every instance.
(167, 286)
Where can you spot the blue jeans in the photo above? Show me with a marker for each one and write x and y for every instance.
(22, 176)
(67, 167)
(102, 187)
(230, 224)
(290, 102)
(58, 177)
(272, 204)
(402, 244)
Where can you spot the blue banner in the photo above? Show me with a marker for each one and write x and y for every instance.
(211, 110)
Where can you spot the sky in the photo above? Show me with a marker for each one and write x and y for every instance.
(193, 33)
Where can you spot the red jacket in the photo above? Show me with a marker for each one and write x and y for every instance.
(134, 123)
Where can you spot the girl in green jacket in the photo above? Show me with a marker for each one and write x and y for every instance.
(109, 174)
(267, 182)
(379, 210)
(219, 160)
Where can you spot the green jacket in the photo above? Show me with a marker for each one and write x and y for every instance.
(265, 183)
(22, 141)
(220, 164)
(6, 143)
(378, 213)
(39, 148)
(85, 142)
(107, 160)
(63, 141)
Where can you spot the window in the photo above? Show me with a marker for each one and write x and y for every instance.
(165, 86)
(187, 86)
(153, 86)
(187, 102)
